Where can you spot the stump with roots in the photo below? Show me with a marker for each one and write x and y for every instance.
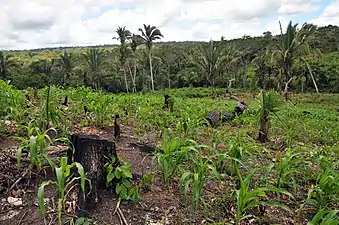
(93, 152)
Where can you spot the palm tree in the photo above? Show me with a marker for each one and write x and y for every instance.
(150, 34)
(293, 45)
(246, 56)
(94, 63)
(265, 66)
(210, 61)
(135, 42)
(123, 36)
(7, 65)
(67, 66)
(44, 66)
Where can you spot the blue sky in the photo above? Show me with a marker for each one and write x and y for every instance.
(48, 23)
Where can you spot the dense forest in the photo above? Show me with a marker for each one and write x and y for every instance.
(309, 55)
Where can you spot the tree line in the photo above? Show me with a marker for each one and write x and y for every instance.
(299, 59)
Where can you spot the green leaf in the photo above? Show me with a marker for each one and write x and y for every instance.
(41, 191)
(81, 172)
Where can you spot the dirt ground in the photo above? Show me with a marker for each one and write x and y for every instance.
(156, 202)
(159, 203)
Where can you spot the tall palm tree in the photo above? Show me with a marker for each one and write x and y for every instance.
(292, 45)
(67, 66)
(7, 65)
(94, 63)
(210, 61)
(150, 34)
(124, 35)
(135, 42)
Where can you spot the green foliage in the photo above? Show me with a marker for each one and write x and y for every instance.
(196, 175)
(247, 198)
(120, 176)
(174, 153)
(36, 145)
(325, 217)
(63, 183)
(288, 166)
(325, 192)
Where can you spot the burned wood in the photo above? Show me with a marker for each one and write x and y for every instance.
(166, 98)
(116, 127)
(227, 116)
(17, 181)
(92, 152)
(65, 103)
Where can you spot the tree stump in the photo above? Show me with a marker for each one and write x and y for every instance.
(93, 152)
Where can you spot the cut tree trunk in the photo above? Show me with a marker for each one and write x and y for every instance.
(92, 152)
(264, 129)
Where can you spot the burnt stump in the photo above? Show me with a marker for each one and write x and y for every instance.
(92, 152)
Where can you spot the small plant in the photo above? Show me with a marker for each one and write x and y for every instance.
(120, 176)
(286, 168)
(174, 153)
(326, 190)
(146, 181)
(247, 198)
(83, 221)
(36, 145)
(325, 217)
(198, 176)
(269, 102)
(63, 183)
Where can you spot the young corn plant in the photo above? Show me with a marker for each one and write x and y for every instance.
(201, 168)
(325, 192)
(325, 217)
(36, 145)
(63, 183)
(100, 107)
(173, 155)
(247, 198)
(286, 168)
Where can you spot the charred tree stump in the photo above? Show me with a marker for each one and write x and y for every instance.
(93, 152)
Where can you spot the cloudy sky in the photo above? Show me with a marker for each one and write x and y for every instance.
(29, 24)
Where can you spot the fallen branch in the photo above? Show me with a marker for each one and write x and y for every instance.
(17, 181)
(120, 214)
(14, 158)
(23, 216)
(284, 92)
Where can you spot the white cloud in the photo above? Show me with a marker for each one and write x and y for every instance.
(330, 15)
(43, 23)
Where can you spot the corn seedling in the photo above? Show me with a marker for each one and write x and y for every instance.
(174, 154)
(325, 217)
(197, 175)
(326, 190)
(286, 168)
(63, 183)
(247, 198)
(36, 145)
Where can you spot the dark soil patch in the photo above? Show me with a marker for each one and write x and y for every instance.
(156, 202)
